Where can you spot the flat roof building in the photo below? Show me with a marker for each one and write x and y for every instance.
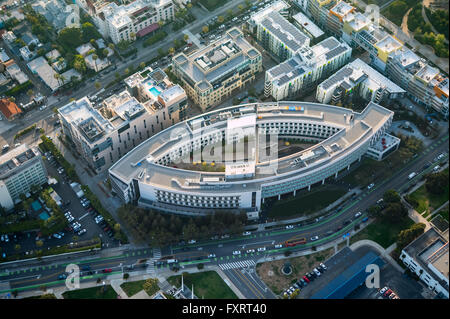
(306, 68)
(217, 71)
(357, 79)
(307, 26)
(20, 169)
(45, 72)
(149, 173)
(427, 257)
(122, 121)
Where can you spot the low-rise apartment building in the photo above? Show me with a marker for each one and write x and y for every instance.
(127, 21)
(104, 135)
(277, 35)
(423, 83)
(20, 169)
(215, 72)
(306, 68)
(357, 79)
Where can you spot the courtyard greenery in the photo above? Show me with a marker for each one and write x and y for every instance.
(207, 285)
(155, 228)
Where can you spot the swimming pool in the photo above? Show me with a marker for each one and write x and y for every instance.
(154, 91)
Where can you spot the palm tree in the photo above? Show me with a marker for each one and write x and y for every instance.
(229, 12)
(133, 35)
(241, 7)
(205, 29)
(62, 78)
(186, 37)
(142, 65)
(95, 57)
(97, 85)
(171, 50)
(30, 92)
(57, 77)
(126, 71)
(220, 19)
(105, 52)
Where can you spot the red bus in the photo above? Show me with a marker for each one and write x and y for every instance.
(294, 242)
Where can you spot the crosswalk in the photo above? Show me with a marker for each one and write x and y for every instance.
(151, 264)
(238, 264)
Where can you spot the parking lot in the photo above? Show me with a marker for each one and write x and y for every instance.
(82, 214)
(402, 285)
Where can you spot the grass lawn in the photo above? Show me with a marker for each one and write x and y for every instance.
(368, 171)
(211, 5)
(132, 287)
(91, 293)
(270, 272)
(428, 202)
(306, 203)
(207, 285)
(384, 234)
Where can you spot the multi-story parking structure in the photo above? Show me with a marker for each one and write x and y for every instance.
(104, 135)
(20, 169)
(126, 22)
(217, 71)
(306, 68)
(154, 174)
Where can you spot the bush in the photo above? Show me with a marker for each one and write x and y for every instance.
(19, 89)
(25, 131)
(200, 266)
(158, 36)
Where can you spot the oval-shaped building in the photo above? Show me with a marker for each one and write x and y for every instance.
(228, 159)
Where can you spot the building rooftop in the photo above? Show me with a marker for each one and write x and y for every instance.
(286, 33)
(357, 21)
(172, 93)
(388, 44)
(431, 251)
(89, 122)
(308, 25)
(341, 9)
(217, 59)
(9, 109)
(357, 72)
(15, 158)
(143, 162)
(427, 73)
(45, 71)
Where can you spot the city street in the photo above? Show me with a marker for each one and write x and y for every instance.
(19, 275)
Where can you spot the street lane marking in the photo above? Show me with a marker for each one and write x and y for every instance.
(83, 216)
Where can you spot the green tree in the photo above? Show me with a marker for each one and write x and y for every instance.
(391, 196)
(71, 37)
(171, 50)
(79, 64)
(437, 183)
(97, 85)
(126, 276)
(220, 19)
(205, 29)
(89, 31)
(39, 243)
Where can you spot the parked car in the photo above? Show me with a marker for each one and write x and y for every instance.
(383, 290)
(289, 226)
(57, 236)
(317, 272)
(323, 266)
(262, 249)
(392, 295)
(314, 238)
(250, 251)
(81, 232)
(371, 186)
(212, 256)
(107, 270)
(236, 252)
(387, 293)
(62, 276)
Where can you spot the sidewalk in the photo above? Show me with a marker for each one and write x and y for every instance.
(383, 252)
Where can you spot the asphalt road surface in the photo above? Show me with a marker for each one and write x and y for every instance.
(23, 276)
